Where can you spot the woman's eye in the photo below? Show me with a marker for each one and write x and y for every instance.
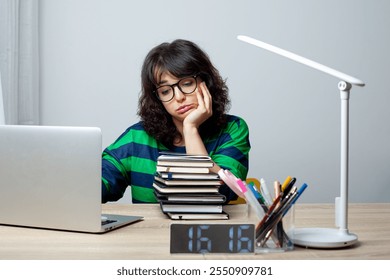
(187, 83)
(164, 91)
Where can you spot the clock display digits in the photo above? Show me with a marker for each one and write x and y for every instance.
(212, 238)
(241, 239)
(202, 243)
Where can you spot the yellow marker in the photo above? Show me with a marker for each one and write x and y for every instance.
(286, 183)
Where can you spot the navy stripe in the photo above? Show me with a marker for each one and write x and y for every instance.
(142, 179)
(137, 150)
(213, 144)
(234, 153)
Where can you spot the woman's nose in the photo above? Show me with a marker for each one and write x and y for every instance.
(178, 94)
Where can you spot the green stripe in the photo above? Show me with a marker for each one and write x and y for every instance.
(237, 133)
(118, 165)
(136, 136)
(232, 164)
(106, 185)
(143, 194)
(137, 164)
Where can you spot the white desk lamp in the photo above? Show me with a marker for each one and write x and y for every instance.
(326, 237)
(2, 115)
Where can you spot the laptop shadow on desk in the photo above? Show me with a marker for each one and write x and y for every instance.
(140, 219)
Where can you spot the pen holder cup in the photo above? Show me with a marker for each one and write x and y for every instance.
(273, 233)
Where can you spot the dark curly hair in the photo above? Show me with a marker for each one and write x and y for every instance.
(180, 58)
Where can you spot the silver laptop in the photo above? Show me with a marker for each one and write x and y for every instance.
(50, 177)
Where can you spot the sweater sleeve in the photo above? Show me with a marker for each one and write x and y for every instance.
(232, 150)
(130, 162)
(115, 179)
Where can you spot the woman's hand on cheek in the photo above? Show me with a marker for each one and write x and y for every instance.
(204, 110)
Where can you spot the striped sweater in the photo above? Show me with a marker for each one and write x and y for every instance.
(131, 160)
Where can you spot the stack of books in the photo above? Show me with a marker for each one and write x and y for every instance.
(186, 189)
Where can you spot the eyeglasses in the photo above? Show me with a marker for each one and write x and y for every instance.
(186, 85)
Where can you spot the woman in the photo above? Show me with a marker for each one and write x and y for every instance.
(183, 109)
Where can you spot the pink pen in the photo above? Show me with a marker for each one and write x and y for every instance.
(231, 181)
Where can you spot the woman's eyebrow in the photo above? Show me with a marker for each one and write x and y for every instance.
(162, 82)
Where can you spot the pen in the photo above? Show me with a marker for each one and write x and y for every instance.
(258, 231)
(285, 183)
(267, 215)
(284, 189)
(287, 201)
(266, 231)
(230, 180)
(277, 188)
(279, 227)
(265, 192)
(258, 197)
(272, 215)
(299, 192)
(276, 217)
(263, 205)
(250, 199)
(287, 187)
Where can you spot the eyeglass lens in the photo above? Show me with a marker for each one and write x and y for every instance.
(186, 85)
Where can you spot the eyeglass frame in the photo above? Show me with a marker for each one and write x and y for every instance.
(178, 86)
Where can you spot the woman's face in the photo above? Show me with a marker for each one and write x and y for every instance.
(181, 104)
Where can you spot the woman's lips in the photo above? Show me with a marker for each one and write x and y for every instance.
(185, 108)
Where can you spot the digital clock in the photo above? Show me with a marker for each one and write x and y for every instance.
(212, 238)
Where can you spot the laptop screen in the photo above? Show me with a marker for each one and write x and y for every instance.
(50, 177)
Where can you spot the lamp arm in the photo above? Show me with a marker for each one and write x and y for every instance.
(302, 60)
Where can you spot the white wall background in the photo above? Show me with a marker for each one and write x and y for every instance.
(92, 51)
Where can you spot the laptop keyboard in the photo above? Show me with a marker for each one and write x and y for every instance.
(105, 222)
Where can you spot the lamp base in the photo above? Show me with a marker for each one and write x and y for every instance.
(323, 238)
